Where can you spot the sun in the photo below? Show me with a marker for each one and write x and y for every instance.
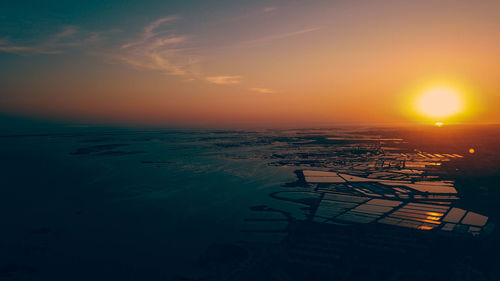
(439, 102)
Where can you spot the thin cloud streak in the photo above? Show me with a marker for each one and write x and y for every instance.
(54, 44)
(24, 50)
(224, 79)
(265, 39)
(262, 90)
(268, 9)
(66, 32)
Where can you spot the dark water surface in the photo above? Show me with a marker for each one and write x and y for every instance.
(238, 205)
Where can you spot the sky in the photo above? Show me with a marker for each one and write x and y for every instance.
(245, 63)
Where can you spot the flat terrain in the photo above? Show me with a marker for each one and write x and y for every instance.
(303, 204)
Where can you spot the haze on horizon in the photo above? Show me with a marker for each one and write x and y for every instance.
(244, 62)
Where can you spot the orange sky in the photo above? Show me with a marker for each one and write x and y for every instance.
(260, 64)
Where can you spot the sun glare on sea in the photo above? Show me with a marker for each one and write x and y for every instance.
(439, 103)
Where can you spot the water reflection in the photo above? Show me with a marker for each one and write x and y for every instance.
(336, 198)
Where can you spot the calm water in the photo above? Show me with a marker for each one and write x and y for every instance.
(138, 215)
(149, 205)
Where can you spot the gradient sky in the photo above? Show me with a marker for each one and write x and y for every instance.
(258, 63)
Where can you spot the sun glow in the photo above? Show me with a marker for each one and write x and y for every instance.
(439, 102)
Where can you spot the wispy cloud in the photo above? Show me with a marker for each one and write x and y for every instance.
(262, 90)
(149, 31)
(159, 48)
(68, 37)
(152, 30)
(265, 39)
(268, 9)
(224, 80)
(25, 50)
(66, 32)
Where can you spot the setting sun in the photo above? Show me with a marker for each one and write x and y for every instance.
(305, 140)
(439, 102)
